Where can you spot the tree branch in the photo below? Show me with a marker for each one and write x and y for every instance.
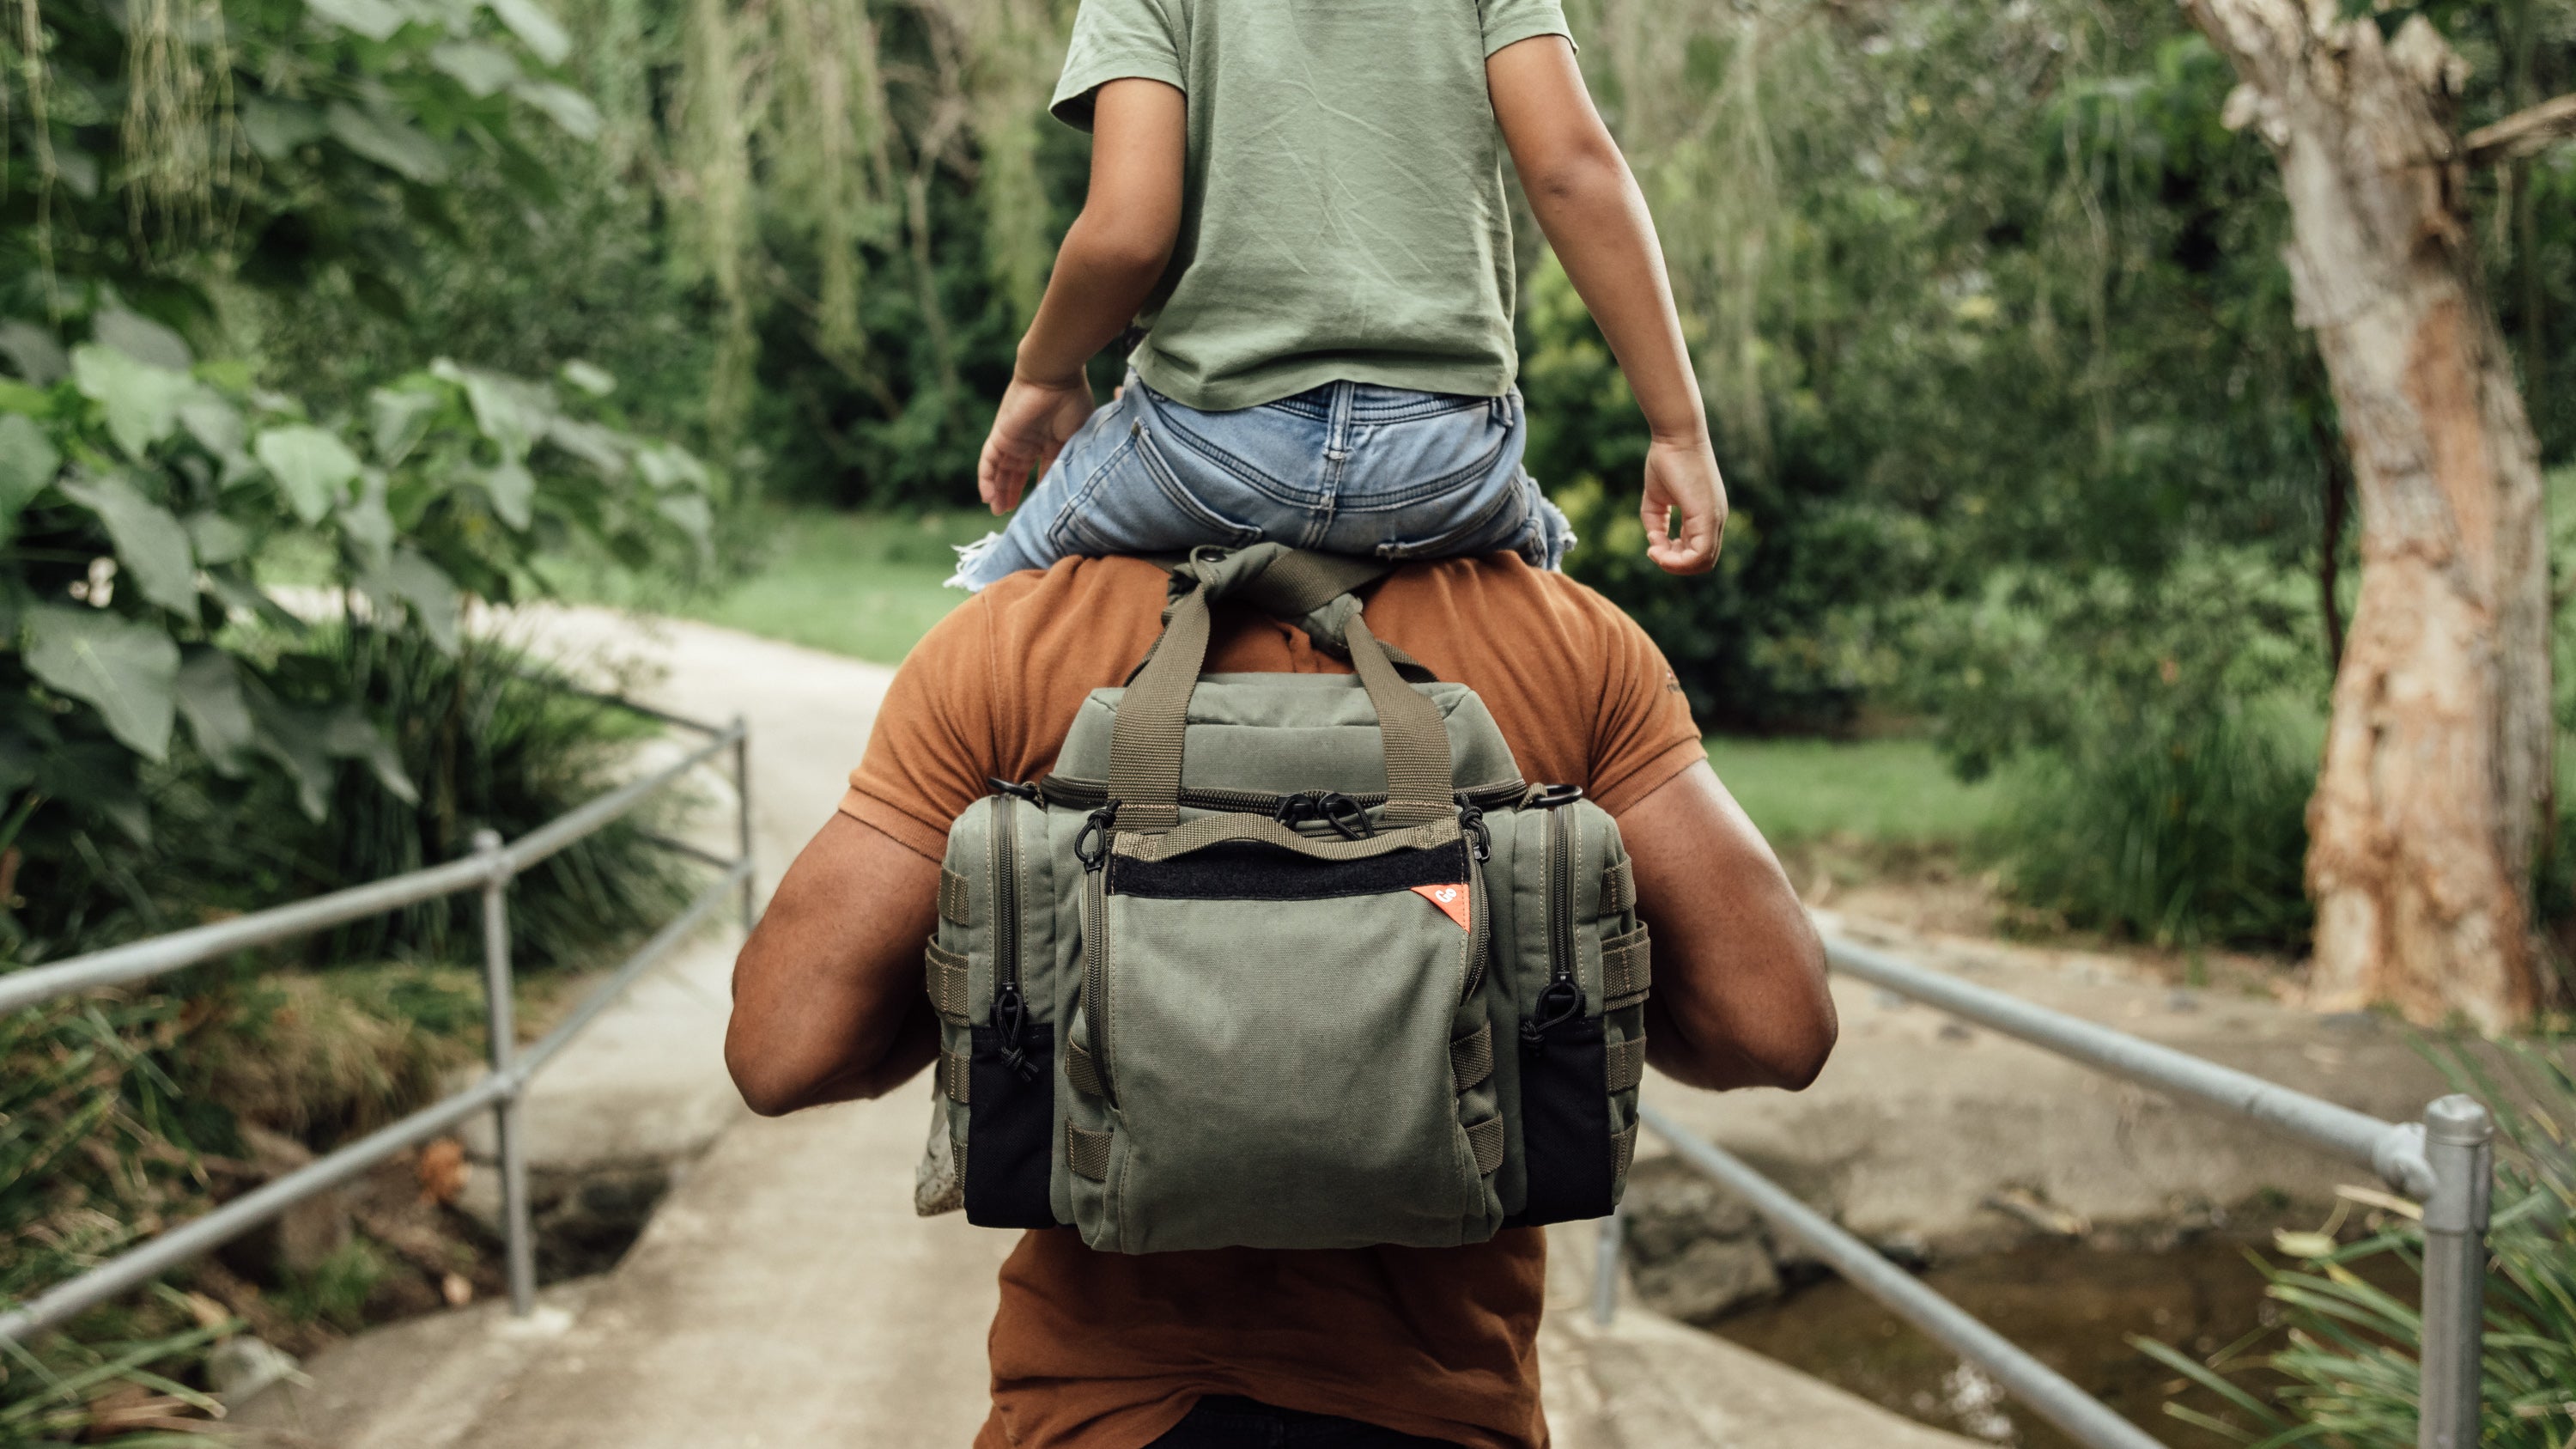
(2524, 133)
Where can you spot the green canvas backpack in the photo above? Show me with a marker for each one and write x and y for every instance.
(1284, 961)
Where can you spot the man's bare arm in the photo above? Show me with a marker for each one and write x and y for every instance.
(827, 997)
(1739, 996)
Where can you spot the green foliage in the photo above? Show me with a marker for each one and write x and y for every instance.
(2173, 733)
(127, 581)
(288, 140)
(2346, 1369)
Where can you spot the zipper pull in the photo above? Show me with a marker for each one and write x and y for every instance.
(1010, 1013)
(1091, 847)
(1471, 819)
(1560, 1003)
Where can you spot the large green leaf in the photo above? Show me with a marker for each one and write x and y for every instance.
(389, 142)
(373, 19)
(150, 543)
(28, 461)
(141, 400)
(513, 414)
(481, 68)
(535, 28)
(350, 737)
(218, 539)
(513, 489)
(366, 522)
(399, 418)
(312, 467)
(127, 670)
(569, 108)
(410, 579)
(210, 697)
(140, 338)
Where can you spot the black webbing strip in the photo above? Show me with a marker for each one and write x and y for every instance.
(1627, 1059)
(1618, 888)
(1080, 1072)
(946, 979)
(956, 899)
(1627, 969)
(1087, 1153)
(954, 1075)
(1471, 1057)
(1485, 1139)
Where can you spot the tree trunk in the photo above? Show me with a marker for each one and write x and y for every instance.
(2436, 766)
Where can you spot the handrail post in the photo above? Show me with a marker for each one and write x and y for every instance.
(2459, 1143)
(520, 1244)
(1605, 1268)
(742, 807)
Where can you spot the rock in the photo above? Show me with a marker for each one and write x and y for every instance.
(1669, 1205)
(241, 1367)
(1709, 1279)
(303, 1237)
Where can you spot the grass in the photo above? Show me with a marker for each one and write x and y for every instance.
(1884, 791)
(867, 585)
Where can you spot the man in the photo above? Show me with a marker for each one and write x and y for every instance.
(1368, 1346)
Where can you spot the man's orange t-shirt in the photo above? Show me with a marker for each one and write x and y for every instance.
(1106, 1350)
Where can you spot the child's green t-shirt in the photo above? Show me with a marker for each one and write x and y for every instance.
(1342, 210)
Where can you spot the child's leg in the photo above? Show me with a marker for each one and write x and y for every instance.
(1101, 496)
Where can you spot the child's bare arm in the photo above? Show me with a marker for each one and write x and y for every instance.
(1595, 218)
(1111, 258)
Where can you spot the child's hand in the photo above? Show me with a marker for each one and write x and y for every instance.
(1031, 427)
(1684, 476)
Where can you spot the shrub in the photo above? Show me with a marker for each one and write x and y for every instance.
(2347, 1366)
(2177, 831)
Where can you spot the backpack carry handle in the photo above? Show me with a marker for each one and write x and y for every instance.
(1146, 739)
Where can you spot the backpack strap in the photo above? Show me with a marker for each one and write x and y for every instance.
(1145, 741)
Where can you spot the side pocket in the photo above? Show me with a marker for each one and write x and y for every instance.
(1565, 1127)
(1010, 1112)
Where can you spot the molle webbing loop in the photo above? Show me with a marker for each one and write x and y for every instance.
(1618, 888)
(956, 899)
(946, 979)
(1626, 969)
(1087, 1153)
(1146, 740)
(1485, 1140)
(1471, 1058)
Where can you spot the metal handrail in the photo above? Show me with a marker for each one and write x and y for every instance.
(491, 868)
(2447, 1160)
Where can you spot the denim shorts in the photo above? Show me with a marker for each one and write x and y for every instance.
(1349, 467)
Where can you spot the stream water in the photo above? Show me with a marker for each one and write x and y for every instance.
(2074, 1307)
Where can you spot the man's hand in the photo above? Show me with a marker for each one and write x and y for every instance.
(1031, 427)
(1683, 476)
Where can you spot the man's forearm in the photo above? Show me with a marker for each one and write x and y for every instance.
(1597, 222)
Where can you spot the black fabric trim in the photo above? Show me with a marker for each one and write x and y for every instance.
(1248, 872)
(1010, 1125)
(1566, 1149)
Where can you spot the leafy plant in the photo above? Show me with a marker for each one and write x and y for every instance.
(140, 492)
(2347, 1366)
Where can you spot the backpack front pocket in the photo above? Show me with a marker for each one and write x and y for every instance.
(1270, 1024)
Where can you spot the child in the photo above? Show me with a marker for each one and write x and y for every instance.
(1300, 205)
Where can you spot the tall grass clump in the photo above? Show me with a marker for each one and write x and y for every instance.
(2343, 1364)
(2175, 831)
(486, 737)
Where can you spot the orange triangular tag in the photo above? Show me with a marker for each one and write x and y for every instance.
(1454, 901)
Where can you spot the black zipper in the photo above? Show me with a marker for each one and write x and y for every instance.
(1091, 847)
(1561, 1000)
(1010, 1008)
(1071, 793)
